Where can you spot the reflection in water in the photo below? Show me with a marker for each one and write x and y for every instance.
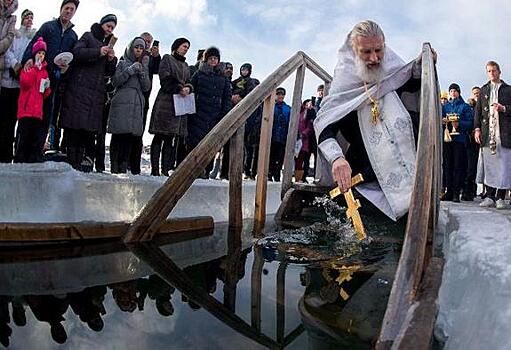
(240, 297)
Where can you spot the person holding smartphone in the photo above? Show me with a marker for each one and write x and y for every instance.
(84, 98)
(152, 51)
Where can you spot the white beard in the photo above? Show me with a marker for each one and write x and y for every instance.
(368, 75)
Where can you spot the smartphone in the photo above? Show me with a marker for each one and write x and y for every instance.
(156, 43)
(112, 42)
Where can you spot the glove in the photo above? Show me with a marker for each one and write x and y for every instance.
(134, 68)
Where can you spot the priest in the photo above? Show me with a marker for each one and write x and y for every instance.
(368, 122)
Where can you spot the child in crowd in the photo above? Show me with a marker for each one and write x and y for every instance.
(126, 117)
(34, 88)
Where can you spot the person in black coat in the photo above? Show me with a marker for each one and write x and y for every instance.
(84, 98)
(212, 99)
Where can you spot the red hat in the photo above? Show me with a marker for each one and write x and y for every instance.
(39, 45)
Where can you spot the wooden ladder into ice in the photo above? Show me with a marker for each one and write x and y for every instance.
(231, 127)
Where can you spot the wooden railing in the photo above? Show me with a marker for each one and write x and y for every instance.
(411, 309)
(147, 223)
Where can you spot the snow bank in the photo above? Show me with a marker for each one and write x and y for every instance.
(475, 295)
(54, 192)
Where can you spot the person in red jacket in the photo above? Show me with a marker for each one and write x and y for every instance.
(34, 88)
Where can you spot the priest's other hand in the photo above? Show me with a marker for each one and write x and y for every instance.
(341, 172)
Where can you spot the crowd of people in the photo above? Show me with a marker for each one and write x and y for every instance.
(55, 108)
(477, 141)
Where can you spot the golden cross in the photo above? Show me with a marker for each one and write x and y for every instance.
(353, 205)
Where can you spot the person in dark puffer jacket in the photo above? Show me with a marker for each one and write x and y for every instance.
(212, 99)
(241, 87)
(84, 98)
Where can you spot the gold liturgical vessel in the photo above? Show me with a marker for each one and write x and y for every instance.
(450, 118)
(353, 205)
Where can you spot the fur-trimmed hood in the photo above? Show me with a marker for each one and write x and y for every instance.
(6, 12)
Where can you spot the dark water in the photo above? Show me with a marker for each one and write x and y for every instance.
(306, 289)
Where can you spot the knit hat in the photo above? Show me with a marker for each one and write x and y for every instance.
(76, 2)
(39, 45)
(455, 87)
(108, 18)
(26, 13)
(138, 42)
(281, 91)
(444, 94)
(178, 42)
(210, 52)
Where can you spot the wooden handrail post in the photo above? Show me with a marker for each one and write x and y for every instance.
(263, 164)
(235, 180)
(293, 130)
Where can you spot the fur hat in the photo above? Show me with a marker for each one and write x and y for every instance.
(108, 18)
(39, 45)
(456, 87)
(76, 2)
(210, 52)
(178, 42)
(25, 14)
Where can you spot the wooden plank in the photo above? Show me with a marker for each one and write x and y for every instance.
(422, 317)
(263, 164)
(316, 69)
(289, 157)
(236, 180)
(411, 262)
(81, 231)
(172, 274)
(166, 197)
(10, 253)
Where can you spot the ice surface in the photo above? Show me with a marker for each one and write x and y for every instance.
(475, 296)
(54, 192)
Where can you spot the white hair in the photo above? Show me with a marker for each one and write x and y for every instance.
(366, 29)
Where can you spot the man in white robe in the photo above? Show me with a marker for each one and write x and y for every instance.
(492, 122)
(368, 122)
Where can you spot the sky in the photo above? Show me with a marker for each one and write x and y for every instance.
(465, 33)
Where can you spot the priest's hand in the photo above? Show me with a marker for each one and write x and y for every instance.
(341, 172)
